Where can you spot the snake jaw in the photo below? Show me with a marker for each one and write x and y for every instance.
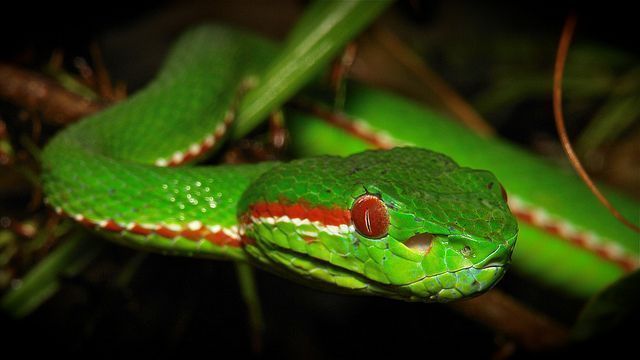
(451, 267)
(451, 286)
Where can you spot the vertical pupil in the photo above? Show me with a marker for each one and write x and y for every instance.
(367, 221)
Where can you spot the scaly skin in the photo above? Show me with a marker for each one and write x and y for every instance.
(567, 238)
(294, 219)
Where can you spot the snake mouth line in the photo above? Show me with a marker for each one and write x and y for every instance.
(372, 286)
(453, 272)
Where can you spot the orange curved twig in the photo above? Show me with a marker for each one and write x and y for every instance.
(561, 57)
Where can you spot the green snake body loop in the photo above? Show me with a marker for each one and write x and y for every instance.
(290, 218)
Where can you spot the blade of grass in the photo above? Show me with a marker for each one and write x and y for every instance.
(43, 280)
(324, 29)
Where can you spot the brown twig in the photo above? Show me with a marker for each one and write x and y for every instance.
(103, 80)
(561, 57)
(278, 134)
(342, 65)
(447, 95)
(6, 156)
(34, 92)
(86, 73)
(506, 315)
(24, 229)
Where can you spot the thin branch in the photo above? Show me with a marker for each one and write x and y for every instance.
(561, 57)
(448, 96)
(105, 87)
(504, 314)
(34, 92)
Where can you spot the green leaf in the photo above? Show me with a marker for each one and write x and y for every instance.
(324, 29)
(42, 282)
(611, 315)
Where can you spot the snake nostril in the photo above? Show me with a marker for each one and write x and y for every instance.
(466, 251)
(420, 243)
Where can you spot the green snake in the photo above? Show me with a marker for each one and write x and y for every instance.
(566, 240)
(404, 223)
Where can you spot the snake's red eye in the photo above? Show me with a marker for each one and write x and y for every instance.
(370, 217)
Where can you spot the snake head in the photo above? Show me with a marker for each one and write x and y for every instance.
(404, 223)
(434, 231)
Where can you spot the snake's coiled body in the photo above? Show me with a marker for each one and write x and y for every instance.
(405, 223)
